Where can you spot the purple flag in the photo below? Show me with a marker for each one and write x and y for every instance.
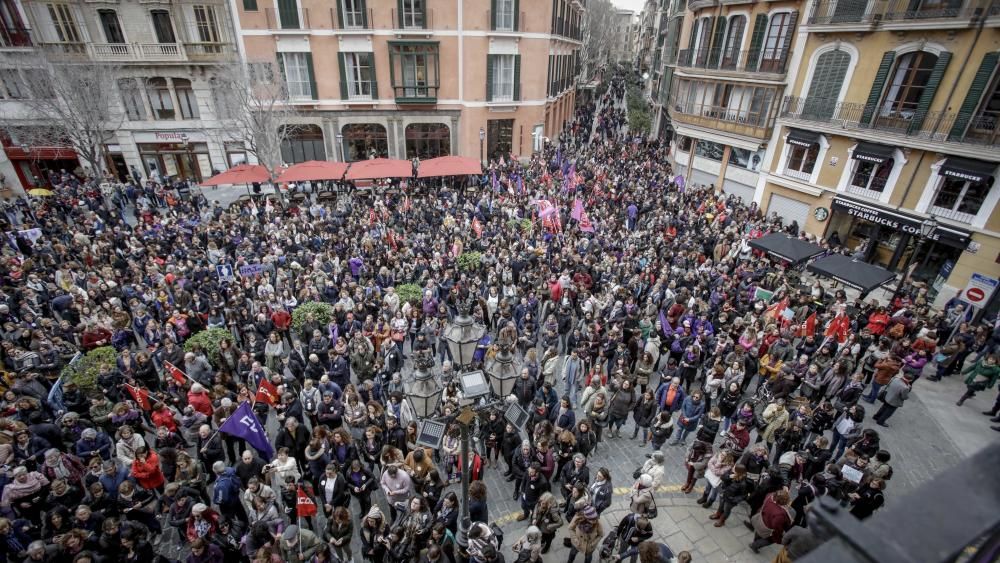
(667, 331)
(577, 210)
(244, 424)
(679, 180)
(520, 184)
(496, 185)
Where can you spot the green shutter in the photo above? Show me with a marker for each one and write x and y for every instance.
(827, 80)
(927, 97)
(249, 5)
(371, 64)
(548, 78)
(716, 48)
(288, 14)
(786, 49)
(340, 16)
(493, 15)
(343, 75)
(489, 78)
(756, 42)
(692, 37)
(975, 94)
(399, 13)
(281, 69)
(364, 14)
(517, 14)
(517, 78)
(312, 76)
(877, 85)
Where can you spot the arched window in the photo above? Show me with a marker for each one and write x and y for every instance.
(905, 87)
(773, 54)
(365, 140)
(827, 80)
(734, 40)
(427, 140)
(303, 142)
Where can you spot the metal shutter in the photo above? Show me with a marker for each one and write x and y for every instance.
(789, 210)
(742, 191)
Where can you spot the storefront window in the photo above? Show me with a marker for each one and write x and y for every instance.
(747, 159)
(709, 150)
(499, 137)
(365, 140)
(176, 160)
(872, 176)
(427, 140)
(684, 144)
(304, 143)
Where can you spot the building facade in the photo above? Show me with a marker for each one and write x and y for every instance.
(891, 117)
(419, 78)
(669, 17)
(164, 54)
(727, 87)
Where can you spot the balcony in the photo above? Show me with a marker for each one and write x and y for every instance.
(14, 37)
(415, 95)
(737, 122)
(65, 50)
(505, 22)
(209, 52)
(757, 62)
(935, 128)
(695, 5)
(412, 22)
(356, 20)
(146, 52)
(286, 21)
(866, 14)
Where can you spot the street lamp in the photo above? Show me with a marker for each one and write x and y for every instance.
(927, 228)
(501, 370)
(482, 138)
(423, 391)
(463, 336)
(343, 150)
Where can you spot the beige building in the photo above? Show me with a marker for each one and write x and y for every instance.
(418, 78)
(891, 118)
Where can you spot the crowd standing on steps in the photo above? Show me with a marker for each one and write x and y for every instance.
(636, 320)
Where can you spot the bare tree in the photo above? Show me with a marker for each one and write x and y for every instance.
(67, 104)
(600, 36)
(254, 105)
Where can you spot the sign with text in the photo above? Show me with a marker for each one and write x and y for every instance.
(979, 290)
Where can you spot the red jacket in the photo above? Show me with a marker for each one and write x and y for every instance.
(877, 323)
(164, 417)
(201, 402)
(281, 319)
(147, 473)
(776, 517)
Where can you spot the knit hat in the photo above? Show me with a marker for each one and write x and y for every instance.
(199, 508)
(590, 513)
(374, 513)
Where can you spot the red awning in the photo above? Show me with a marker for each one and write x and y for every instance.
(314, 170)
(449, 166)
(379, 168)
(240, 174)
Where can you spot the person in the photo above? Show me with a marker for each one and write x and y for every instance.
(585, 533)
(299, 545)
(867, 499)
(533, 486)
(734, 488)
(896, 393)
(547, 519)
(773, 520)
(632, 530)
(529, 547)
(981, 376)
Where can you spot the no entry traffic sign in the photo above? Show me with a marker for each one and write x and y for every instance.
(979, 290)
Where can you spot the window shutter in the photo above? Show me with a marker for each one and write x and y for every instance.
(489, 78)
(548, 78)
(371, 64)
(281, 69)
(343, 75)
(879, 83)
(399, 13)
(340, 16)
(517, 78)
(933, 81)
(692, 37)
(828, 77)
(975, 94)
(493, 15)
(787, 47)
(364, 13)
(716, 49)
(312, 76)
(756, 41)
(517, 14)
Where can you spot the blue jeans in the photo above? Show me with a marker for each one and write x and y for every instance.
(837, 445)
(571, 390)
(709, 494)
(871, 396)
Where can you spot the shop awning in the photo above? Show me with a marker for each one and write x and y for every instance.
(901, 221)
(786, 248)
(852, 273)
(314, 170)
(870, 152)
(802, 138)
(240, 174)
(968, 169)
(449, 166)
(379, 168)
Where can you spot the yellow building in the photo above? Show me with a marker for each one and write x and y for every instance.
(419, 78)
(891, 117)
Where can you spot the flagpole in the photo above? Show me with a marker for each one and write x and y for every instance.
(299, 520)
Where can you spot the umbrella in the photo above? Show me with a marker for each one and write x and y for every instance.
(41, 192)
(313, 170)
(449, 166)
(787, 248)
(860, 275)
(379, 168)
(240, 174)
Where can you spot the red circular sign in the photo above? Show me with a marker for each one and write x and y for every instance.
(975, 294)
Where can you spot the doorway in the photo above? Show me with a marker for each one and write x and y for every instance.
(499, 137)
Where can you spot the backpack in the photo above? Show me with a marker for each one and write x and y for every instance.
(227, 490)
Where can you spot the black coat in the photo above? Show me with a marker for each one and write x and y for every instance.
(340, 496)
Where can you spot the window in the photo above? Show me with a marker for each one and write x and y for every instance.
(773, 55)
(288, 14)
(206, 24)
(262, 72)
(734, 40)
(249, 5)
(503, 20)
(186, 99)
(709, 150)
(131, 98)
(427, 140)
(871, 176)
(13, 32)
(905, 88)
(412, 14)
(503, 78)
(499, 138)
(162, 26)
(359, 76)
(986, 123)
(961, 199)
(302, 143)
(13, 85)
(39, 83)
(64, 23)
(684, 144)
(297, 77)
(827, 81)
(365, 140)
(414, 69)
(160, 102)
(743, 158)
(801, 160)
(354, 14)
(703, 36)
(111, 26)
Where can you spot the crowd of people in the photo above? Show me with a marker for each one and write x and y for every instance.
(647, 324)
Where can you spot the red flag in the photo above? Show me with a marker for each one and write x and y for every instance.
(267, 393)
(838, 327)
(586, 225)
(304, 506)
(809, 327)
(175, 372)
(371, 216)
(477, 227)
(140, 395)
(775, 311)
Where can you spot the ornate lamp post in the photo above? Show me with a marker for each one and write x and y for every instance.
(422, 390)
(927, 229)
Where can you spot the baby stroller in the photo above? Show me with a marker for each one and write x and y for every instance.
(608, 546)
